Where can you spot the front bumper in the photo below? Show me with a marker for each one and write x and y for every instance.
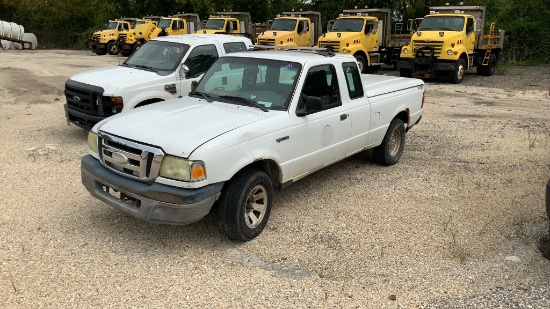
(83, 120)
(152, 203)
(426, 67)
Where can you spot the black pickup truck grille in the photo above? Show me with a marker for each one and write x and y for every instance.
(83, 98)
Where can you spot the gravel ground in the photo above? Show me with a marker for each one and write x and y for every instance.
(455, 223)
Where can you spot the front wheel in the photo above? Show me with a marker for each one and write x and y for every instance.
(245, 205)
(457, 76)
(362, 63)
(389, 152)
(405, 72)
(112, 48)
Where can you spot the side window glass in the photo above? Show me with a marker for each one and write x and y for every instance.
(200, 59)
(353, 80)
(234, 47)
(469, 26)
(321, 81)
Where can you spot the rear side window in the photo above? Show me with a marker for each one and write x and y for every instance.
(234, 47)
(353, 80)
(200, 59)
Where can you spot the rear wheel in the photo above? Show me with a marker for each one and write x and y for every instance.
(362, 63)
(457, 76)
(389, 152)
(489, 69)
(245, 204)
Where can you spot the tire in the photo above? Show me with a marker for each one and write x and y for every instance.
(136, 46)
(237, 219)
(100, 51)
(362, 63)
(457, 76)
(391, 149)
(405, 72)
(488, 70)
(112, 48)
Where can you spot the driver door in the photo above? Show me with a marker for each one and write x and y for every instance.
(371, 33)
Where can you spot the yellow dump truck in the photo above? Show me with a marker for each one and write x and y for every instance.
(366, 34)
(229, 23)
(143, 31)
(301, 29)
(450, 41)
(184, 23)
(105, 41)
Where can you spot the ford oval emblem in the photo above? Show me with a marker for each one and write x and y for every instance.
(76, 98)
(119, 158)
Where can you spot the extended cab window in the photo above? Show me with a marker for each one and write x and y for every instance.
(353, 80)
(321, 81)
(200, 59)
(234, 47)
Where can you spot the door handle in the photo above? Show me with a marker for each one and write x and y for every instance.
(343, 117)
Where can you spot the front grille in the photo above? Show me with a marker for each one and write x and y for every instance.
(334, 45)
(133, 160)
(97, 36)
(270, 42)
(83, 100)
(435, 45)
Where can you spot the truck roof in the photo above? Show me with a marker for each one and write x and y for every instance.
(200, 38)
(298, 56)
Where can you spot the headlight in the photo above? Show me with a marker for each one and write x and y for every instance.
(92, 142)
(182, 169)
(405, 50)
(344, 50)
(450, 52)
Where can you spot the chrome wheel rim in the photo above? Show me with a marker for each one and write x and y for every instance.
(361, 65)
(460, 72)
(256, 204)
(395, 143)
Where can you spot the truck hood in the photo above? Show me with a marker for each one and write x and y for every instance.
(333, 36)
(111, 78)
(180, 126)
(433, 36)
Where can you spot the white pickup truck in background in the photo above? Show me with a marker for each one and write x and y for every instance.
(155, 73)
(257, 121)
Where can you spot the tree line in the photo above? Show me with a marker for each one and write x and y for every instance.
(526, 22)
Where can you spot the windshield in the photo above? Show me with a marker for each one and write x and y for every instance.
(235, 80)
(215, 24)
(449, 23)
(347, 25)
(164, 23)
(140, 22)
(111, 25)
(158, 56)
(283, 24)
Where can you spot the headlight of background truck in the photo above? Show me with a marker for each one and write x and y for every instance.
(92, 142)
(181, 169)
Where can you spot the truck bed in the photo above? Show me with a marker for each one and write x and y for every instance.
(376, 85)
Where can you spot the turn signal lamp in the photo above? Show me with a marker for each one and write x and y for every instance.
(117, 100)
(197, 172)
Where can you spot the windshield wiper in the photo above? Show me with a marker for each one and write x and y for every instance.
(202, 94)
(148, 68)
(249, 102)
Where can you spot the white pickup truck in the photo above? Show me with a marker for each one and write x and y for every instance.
(163, 69)
(256, 121)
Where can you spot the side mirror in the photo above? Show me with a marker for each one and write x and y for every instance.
(311, 105)
(184, 71)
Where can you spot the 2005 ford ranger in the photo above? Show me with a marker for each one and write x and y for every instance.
(256, 122)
